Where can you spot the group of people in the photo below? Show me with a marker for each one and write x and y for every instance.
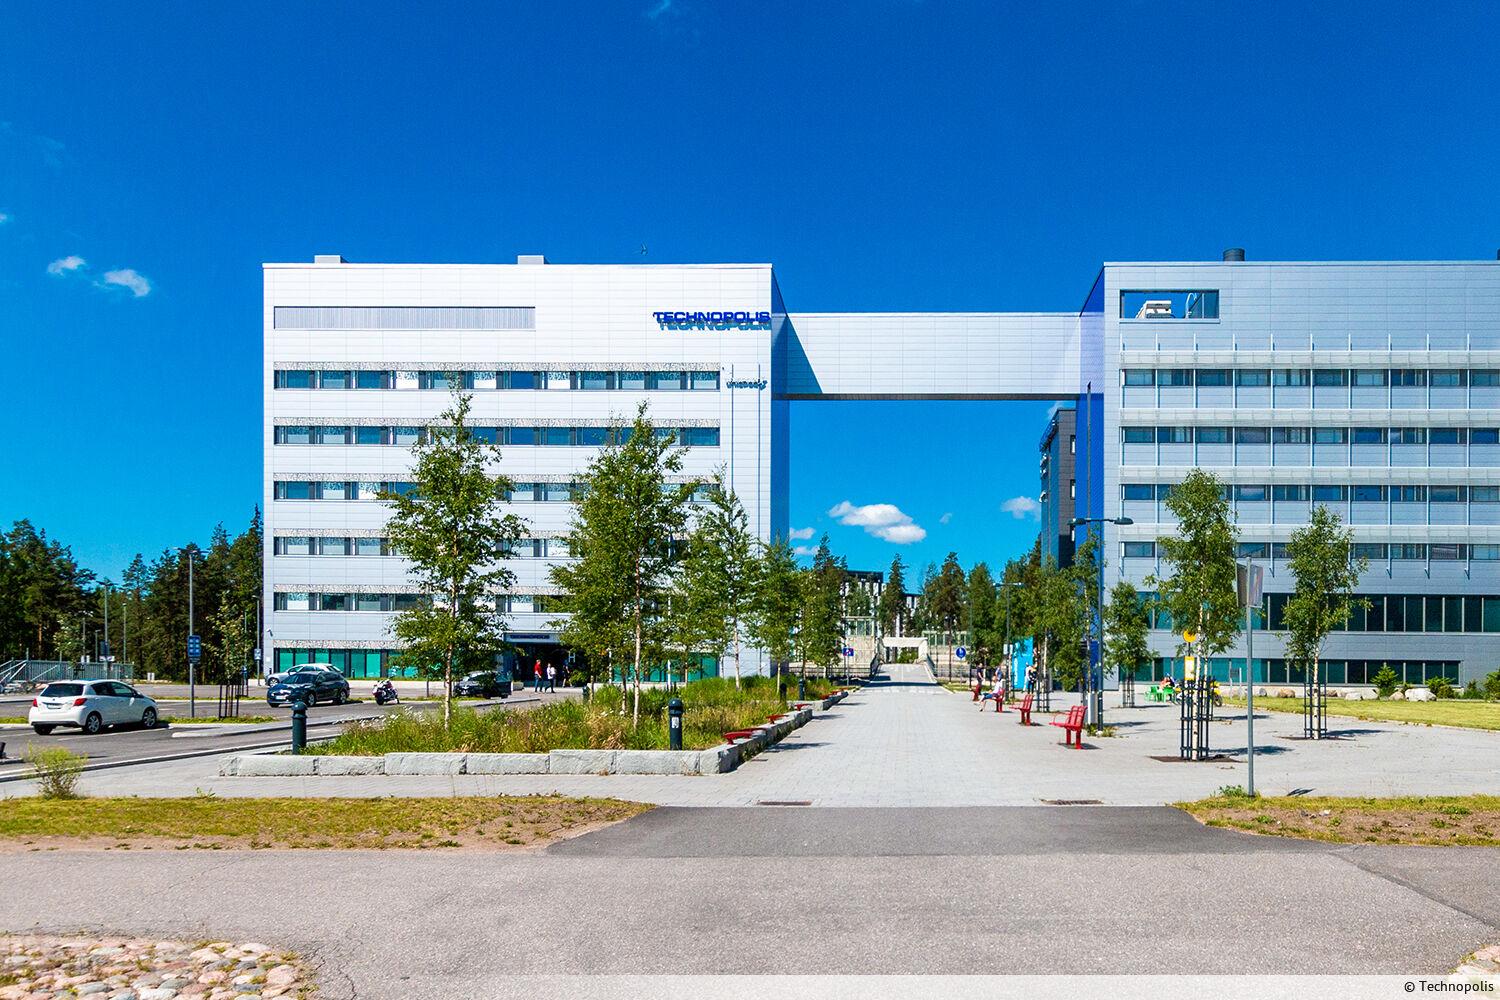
(999, 691)
(544, 678)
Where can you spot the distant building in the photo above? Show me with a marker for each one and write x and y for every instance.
(1059, 485)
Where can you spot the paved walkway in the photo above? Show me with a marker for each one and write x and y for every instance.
(906, 741)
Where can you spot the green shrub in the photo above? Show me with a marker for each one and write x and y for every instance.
(1471, 690)
(1492, 686)
(57, 771)
(1440, 687)
(1385, 682)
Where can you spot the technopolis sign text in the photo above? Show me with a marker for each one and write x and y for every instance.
(713, 320)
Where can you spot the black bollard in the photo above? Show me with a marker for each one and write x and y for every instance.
(674, 724)
(801, 688)
(299, 723)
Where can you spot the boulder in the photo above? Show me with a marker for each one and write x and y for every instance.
(1398, 696)
(1360, 694)
(425, 763)
(507, 763)
(1286, 693)
(1420, 694)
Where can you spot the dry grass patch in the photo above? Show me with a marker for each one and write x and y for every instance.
(206, 822)
(1465, 713)
(1464, 820)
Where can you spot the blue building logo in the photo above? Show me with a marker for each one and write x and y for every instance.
(758, 383)
(713, 320)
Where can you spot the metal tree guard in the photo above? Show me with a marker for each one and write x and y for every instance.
(1197, 706)
(1314, 703)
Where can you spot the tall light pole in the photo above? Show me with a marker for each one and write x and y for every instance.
(1095, 698)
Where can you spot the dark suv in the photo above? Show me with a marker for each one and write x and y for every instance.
(316, 685)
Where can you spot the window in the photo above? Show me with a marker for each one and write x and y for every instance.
(1448, 435)
(1290, 435)
(293, 545)
(521, 380)
(703, 381)
(336, 546)
(482, 380)
(1448, 552)
(1409, 376)
(555, 437)
(1292, 377)
(486, 435)
(334, 491)
(1138, 435)
(1447, 494)
(1289, 492)
(1485, 553)
(1330, 376)
(1408, 494)
(1137, 491)
(1373, 551)
(1175, 376)
(1330, 494)
(333, 602)
(1488, 377)
(1449, 378)
(1213, 435)
(631, 380)
(1408, 551)
(1278, 550)
(1369, 494)
(1174, 435)
(294, 380)
(1169, 304)
(1330, 435)
(1252, 435)
(331, 435)
(1255, 550)
(1252, 377)
(595, 381)
(1139, 550)
(371, 435)
(1484, 435)
(593, 436)
(1369, 435)
(437, 380)
(664, 380)
(1370, 376)
(368, 546)
(372, 380)
(707, 437)
(1408, 435)
(406, 380)
(294, 435)
(295, 491)
(1252, 494)
(1139, 376)
(1213, 377)
(1484, 494)
(520, 435)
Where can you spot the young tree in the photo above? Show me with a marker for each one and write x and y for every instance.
(776, 602)
(982, 608)
(1200, 594)
(624, 526)
(233, 638)
(1318, 554)
(717, 575)
(1126, 625)
(451, 530)
(822, 629)
(893, 598)
(948, 598)
(1060, 620)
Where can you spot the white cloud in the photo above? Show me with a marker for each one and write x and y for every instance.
(800, 534)
(658, 9)
(4, 218)
(946, 518)
(883, 520)
(66, 265)
(804, 550)
(1021, 508)
(127, 278)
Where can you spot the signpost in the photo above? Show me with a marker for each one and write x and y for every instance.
(960, 652)
(195, 653)
(1249, 579)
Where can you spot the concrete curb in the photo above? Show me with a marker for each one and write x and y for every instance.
(715, 760)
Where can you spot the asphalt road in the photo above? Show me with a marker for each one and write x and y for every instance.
(795, 891)
(133, 745)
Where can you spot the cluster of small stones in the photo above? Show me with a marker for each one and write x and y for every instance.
(51, 968)
(1483, 965)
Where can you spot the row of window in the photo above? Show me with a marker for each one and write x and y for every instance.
(595, 436)
(1387, 613)
(683, 381)
(305, 545)
(1291, 377)
(316, 601)
(1310, 435)
(521, 493)
(1373, 551)
(1278, 671)
(1302, 493)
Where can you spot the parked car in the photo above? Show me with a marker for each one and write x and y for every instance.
(286, 675)
(484, 684)
(319, 685)
(90, 706)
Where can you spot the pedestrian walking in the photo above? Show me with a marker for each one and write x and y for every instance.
(537, 677)
(552, 678)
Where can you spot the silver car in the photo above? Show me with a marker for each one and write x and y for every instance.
(90, 706)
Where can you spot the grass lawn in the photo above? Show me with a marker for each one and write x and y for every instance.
(1453, 820)
(207, 822)
(1462, 712)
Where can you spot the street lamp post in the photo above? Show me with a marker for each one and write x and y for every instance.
(1094, 700)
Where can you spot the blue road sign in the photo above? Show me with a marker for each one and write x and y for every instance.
(848, 650)
(195, 648)
(960, 652)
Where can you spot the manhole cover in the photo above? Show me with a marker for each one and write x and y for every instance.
(1073, 802)
(1174, 759)
(784, 802)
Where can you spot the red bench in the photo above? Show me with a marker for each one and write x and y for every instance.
(778, 717)
(1025, 709)
(1072, 727)
(739, 734)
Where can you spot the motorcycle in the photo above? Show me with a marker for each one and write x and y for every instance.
(385, 693)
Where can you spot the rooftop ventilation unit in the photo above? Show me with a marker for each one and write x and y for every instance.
(328, 258)
(531, 258)
(1234, 253)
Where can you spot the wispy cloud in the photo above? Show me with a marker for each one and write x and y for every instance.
(1022, 508)
(657, 9)
(129, 279)
(4, 218)
(805, 550)
(52, 153)
(800, 534)
(66, 265)
(946, 518)
(883, 520)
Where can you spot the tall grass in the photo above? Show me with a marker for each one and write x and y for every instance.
(711, 707)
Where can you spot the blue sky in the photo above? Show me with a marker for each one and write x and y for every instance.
(884, 155)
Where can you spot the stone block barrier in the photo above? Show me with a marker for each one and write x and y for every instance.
(715, 760)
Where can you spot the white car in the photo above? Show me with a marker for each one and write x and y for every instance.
(90, 706)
